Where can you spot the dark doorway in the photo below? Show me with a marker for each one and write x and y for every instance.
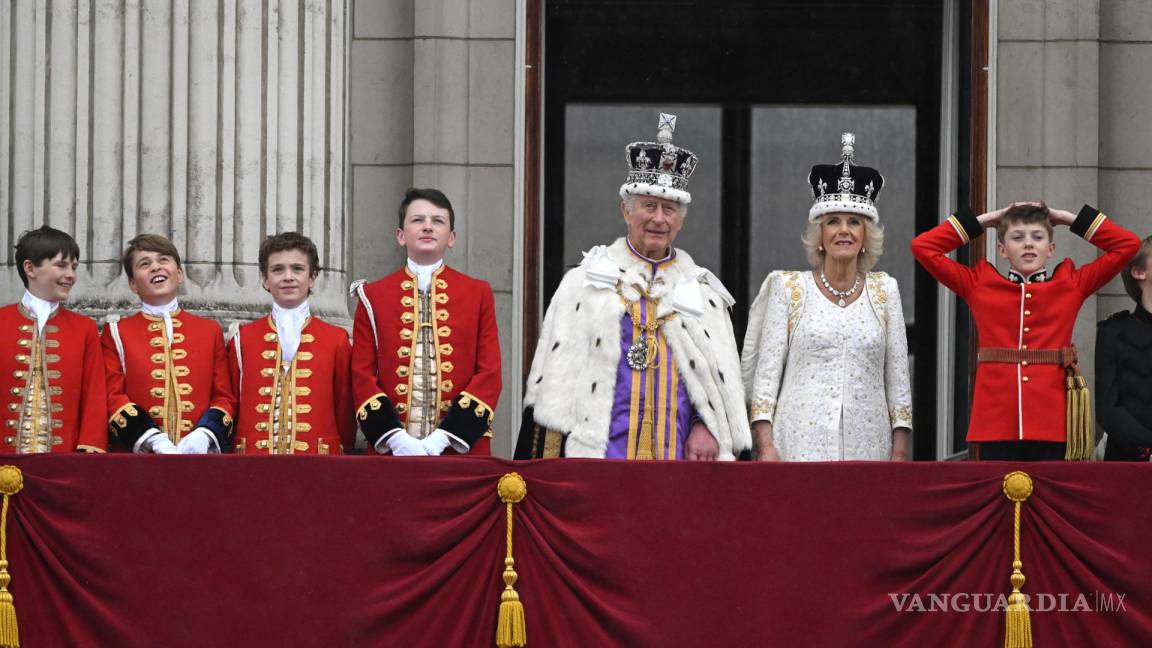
(765, 88)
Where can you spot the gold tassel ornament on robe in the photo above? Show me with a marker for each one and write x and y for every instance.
(11, 481)
(510, 629)
(1018, 626)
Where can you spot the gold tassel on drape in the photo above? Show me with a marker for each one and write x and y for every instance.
(1018, 627)
(11, 481)
(510, 630)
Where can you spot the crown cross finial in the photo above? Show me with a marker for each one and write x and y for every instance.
(666, 128)
(848, 142)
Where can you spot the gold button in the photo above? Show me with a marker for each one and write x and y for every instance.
(1027, 330)
(1024, 346)
(1024, 363)
(1027, 312)
(1027, 295)
(1025, 379)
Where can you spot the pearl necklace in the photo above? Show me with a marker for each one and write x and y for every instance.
(842, 295)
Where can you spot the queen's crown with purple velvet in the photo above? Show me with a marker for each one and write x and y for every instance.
(659, 168)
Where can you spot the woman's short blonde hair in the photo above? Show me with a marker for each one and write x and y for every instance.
(870, 253)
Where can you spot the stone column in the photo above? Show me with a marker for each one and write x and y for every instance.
(213, 123)
(1048, 125)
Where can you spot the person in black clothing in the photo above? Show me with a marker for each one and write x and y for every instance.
(1124, 367)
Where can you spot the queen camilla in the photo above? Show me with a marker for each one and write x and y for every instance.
(825, 360)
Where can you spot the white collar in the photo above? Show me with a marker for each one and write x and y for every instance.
(298, 314)
(289, 326)
(162, 310)
(41, 308)
(424, 272)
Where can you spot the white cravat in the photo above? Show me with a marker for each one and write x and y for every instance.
(41, 308)
(165, 311)
(289, 324)
(424, 272)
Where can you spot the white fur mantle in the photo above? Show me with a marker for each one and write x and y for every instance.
(573, 374)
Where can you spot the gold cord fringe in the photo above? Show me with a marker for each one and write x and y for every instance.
(510, 628)
(1078, 420)
(1017, 626)
(11, 481)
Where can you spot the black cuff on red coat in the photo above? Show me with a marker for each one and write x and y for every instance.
(468, 419)
(129, 423)
(377, 417)
(1084, 221)
(966, 219)
(219, 424)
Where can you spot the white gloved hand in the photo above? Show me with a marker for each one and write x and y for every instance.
(198, 441)
(159, 443)
(436, 442)
(403, 444)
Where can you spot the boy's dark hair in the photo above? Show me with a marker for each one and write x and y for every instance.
(148, 243)
(285, 241)
(43, 243)
(434, 196)
(1131, 286)
(1024, 215)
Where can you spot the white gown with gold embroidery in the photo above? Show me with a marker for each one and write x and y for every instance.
(833, 381)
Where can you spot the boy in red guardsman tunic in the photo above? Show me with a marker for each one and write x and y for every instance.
(426, 366)
(50, 370)
(168, 384)
(1026, 359)
(291, 368)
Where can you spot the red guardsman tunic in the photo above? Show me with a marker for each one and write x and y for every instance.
(1017, 401)
(53, 383)
(175, 387)
(467, 354)
(305, 408)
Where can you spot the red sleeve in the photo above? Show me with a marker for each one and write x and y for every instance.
(932, 247)
(485, 383)
(223, 396)
(364, 358)
(117, 391)
(1119, 247)
(94, 399)
(342, 393)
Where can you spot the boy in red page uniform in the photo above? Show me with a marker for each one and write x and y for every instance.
(50, 370)
(1027, 374)
(426, 361)
(168, 384)
(291, 368)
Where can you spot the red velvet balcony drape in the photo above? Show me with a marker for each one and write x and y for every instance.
(368, 551)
